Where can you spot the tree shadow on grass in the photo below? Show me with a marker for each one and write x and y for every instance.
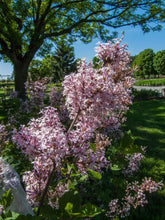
(146, 120)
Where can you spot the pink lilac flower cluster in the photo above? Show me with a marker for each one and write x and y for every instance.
(46, 142)
(134, 197)
(56, 99)
(115, 56)
(3, 134)
(134, 163)
(36, 92)
(96, 98)
(43, 137)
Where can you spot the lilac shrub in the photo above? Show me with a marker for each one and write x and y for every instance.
(36, 92)
(96, 100)
(56, 99)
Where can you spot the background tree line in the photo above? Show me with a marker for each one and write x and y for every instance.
(62, 62)
(56, 65)
(149, 64)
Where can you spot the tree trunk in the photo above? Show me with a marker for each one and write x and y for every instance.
(20, 74)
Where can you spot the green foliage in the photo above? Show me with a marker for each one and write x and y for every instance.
(70, 207)
(94, 175)
(144, 94)
(7, 199)
(15, 158)
(96, 63)
(127, 144)
(159, 62)
(64, 61)
(55, 65)
(144, 61)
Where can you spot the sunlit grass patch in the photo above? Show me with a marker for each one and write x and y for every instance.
(151, 82)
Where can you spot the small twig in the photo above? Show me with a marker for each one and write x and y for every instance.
(73, 122)
(45, 190)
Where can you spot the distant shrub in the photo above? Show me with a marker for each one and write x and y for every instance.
(145, 94)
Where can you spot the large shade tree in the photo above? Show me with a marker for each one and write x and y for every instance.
(159, 62)
(29, 26)
(144, 61)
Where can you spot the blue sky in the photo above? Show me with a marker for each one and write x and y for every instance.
(137, 41)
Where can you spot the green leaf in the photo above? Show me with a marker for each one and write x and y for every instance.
(90, 210)
(94, 175)
(93, 147)
(70, 197)
(127, 145)
(8, 214)
(7, 199)
(115, 167)
(83, 178)
(69, 209)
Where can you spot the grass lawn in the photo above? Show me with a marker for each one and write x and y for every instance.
(151, 82)
(146, 120)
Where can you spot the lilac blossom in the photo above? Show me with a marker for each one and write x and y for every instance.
(134, 163)
(43, 136)
(56, 99)
(134, 197)
(36, 92)
(3, 134)
(46, 142)
(100, 101)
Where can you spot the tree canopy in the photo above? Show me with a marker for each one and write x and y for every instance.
(64, 61)
(144, 61)
(30, 26)
(56, 65)
(159, 62)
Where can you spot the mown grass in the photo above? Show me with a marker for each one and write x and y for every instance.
(146, 120)
(151, 82)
